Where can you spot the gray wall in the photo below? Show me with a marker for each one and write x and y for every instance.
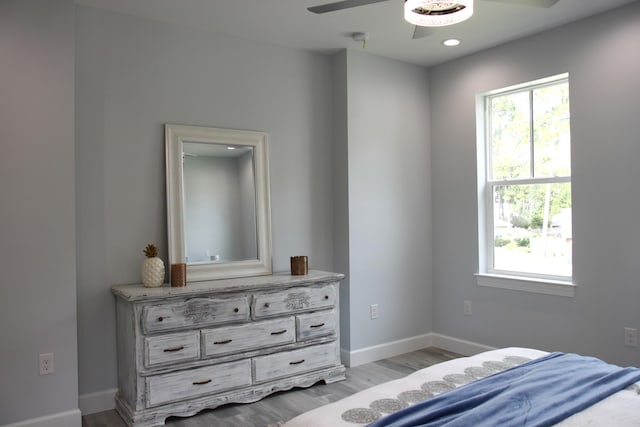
(340, 189)
(389, 202)
(37, 218)
(602, 57)
(134, 75)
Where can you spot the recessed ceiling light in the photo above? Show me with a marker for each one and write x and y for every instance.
(231, 148)
(451, 42)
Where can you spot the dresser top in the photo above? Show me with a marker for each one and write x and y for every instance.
(139, 292)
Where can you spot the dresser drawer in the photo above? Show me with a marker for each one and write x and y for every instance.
(288, 363)
(195, 382)
(194, 312)
(171, 348)
(317, 324)
(233, 339)
(294, 300)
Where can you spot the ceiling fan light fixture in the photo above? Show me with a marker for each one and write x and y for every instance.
(437, 13)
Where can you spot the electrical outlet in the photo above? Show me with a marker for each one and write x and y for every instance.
(630, 337)
(374, 311)
(46, 364)
(467, 308)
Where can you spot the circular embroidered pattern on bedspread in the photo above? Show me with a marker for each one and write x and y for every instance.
(414, 396)
(360, 415)
(379, 407)
(388, 405)
(478, 372)
(458, 379)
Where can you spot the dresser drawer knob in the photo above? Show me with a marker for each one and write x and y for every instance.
(235, 310)
(326, 297)
(266, 305)
(222, 342)
(279, 332)
(319, 325)
(201, 382)
(160, 319)
(174, 349)
(297, 362)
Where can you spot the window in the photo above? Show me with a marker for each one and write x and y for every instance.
(524, 182)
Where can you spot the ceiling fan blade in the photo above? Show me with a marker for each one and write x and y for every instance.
(421, 32)
(345, 4)
(535, 3)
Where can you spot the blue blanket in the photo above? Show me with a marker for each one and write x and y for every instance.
(542, 392)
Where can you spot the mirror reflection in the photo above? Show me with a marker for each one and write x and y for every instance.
(219, 203)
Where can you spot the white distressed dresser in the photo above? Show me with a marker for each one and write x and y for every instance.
(181, 350)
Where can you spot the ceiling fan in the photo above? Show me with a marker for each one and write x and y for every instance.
(419, 31)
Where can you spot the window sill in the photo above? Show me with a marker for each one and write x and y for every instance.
(526, 284)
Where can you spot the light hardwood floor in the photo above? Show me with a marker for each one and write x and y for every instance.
(280, 407)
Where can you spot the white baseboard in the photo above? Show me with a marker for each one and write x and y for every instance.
(455, 345)
(395, 348)
(71, 418)
(383, 351)
(90, 403)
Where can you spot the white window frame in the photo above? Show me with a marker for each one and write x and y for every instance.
(487, 275)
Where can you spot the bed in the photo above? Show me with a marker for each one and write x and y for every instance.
(397, 402)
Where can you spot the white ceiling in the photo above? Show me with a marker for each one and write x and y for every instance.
(288, 23)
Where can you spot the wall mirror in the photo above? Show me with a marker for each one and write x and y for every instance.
(218, 201)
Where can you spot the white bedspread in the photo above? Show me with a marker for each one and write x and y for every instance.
(620, 410)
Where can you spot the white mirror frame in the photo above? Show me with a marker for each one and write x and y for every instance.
(175, 135)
